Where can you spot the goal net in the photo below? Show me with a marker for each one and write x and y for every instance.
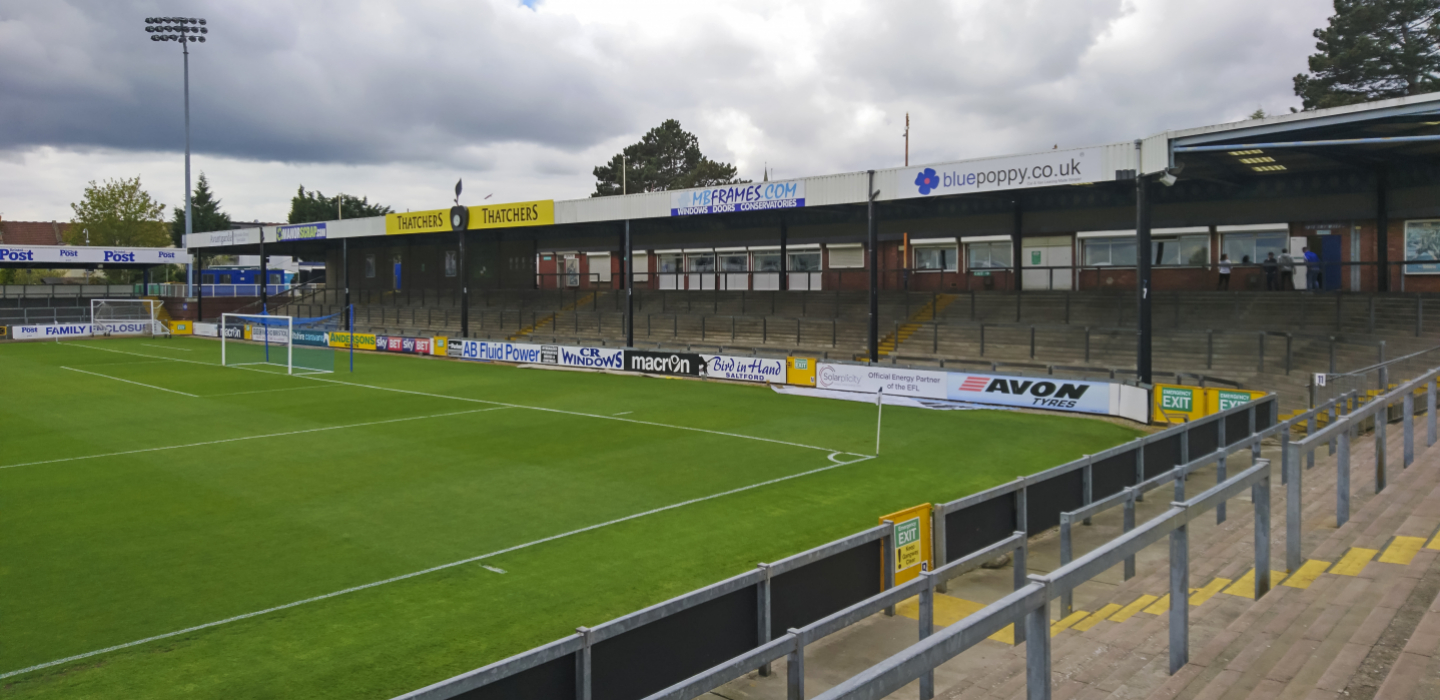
(301, 346)
(126, 317)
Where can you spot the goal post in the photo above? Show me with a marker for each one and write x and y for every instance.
(126, 317)
(300, 345)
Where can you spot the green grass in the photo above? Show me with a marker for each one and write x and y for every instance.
(104, 551)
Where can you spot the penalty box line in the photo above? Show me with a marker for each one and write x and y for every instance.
(502, 403)
(249, 437)
(373, 584)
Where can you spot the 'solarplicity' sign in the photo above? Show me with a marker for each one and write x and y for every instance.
(896, 381)
(732, 198)
(1070, 167)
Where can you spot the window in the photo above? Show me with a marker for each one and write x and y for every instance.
(701, 263)
(989, 255)
(767, 262)
(669, 263)
(805, 262)
(1110, 251)
(207, 279)
(275, 278)
(370, 265)
(847, 256)
(735, 262)
(1247, 248)
(452, 263)
(1182, 250)
(936, 258)
(599, 267)
(225, 279)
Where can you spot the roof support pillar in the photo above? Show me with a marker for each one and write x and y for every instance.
(626, 267)
(1382, 228)
(784, 257)
(264, 276)
(1016, 247)
(872, 255)
(345, 279)
(464, 287)
(1142, 273)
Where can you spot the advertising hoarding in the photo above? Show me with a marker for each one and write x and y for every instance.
(745, 369)
(300, 232)
(678, 364)
(896, 381)
(363, 341)
(88, 255)
(1069, 167)
(306, 336)
(1051, 394)
(513, 214)
(756, 196)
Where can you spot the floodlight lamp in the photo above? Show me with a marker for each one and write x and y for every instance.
(202, 22)
(154, 38)
(192, 20)
(202, 39)
(204, 30)
(1168, 180)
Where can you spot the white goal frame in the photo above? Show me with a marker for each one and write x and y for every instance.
(148, 316)
(289, 339)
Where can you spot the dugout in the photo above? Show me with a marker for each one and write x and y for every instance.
(1359, 184)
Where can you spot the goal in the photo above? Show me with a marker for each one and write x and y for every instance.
(126, 317)
(265, 339)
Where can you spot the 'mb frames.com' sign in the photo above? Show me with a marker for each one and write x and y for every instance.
(732, 198)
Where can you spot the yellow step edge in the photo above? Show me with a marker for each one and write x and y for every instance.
(1068, 622)
(1307, 573)
(1130, 610)
(1434, 543)
(1160, 606)
(1101, 614)
(1402, 550)
(1208, 591)
(1244, 586)
(1354, 561)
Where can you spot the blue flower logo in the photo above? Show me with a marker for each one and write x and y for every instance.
(927, 180)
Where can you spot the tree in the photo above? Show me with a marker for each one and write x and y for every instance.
(667, 158)
(310, 206)
(1372, 50)
(206, 211)
(119, 213)
(1259, 113)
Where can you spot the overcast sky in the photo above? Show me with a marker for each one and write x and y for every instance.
(395, 100)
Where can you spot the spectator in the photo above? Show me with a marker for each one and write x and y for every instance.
(1287, 271)
(1224, 272)
(1271, 267)
(1312, 269)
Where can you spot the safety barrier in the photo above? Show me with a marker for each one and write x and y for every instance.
(744, 623)
(1030, 605)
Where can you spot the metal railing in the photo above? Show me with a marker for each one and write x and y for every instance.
(66, 291)
(1347, 415)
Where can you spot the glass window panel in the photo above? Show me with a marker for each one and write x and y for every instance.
(702, 263)
(1195, 250)
(1000, 254)
(1267, 243)
(370, 265)
(670, 263)
(735, 262)
(767, 262)
(1097, 252)
(805, 262)
(929, 258)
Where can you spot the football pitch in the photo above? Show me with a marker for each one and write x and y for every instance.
(173, 528)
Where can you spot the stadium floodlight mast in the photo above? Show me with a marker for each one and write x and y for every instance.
(186, 30)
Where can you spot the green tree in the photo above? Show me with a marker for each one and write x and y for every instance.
(206, 210)
(1259, 113)
(119, 213)
(667, 158)
(310, 206)
(1372, 50)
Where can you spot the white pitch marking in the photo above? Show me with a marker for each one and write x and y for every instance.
(247, 437)
(127, 381)
(494, 403)
(167, 347)
(491, 568)
(622, 413)
(264, 391)
(422, 572)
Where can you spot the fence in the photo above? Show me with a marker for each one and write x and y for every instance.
(1348, 413)
(1373, 378)
(717, 633)
(66, 291)
(44, 314)
(209, 290)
